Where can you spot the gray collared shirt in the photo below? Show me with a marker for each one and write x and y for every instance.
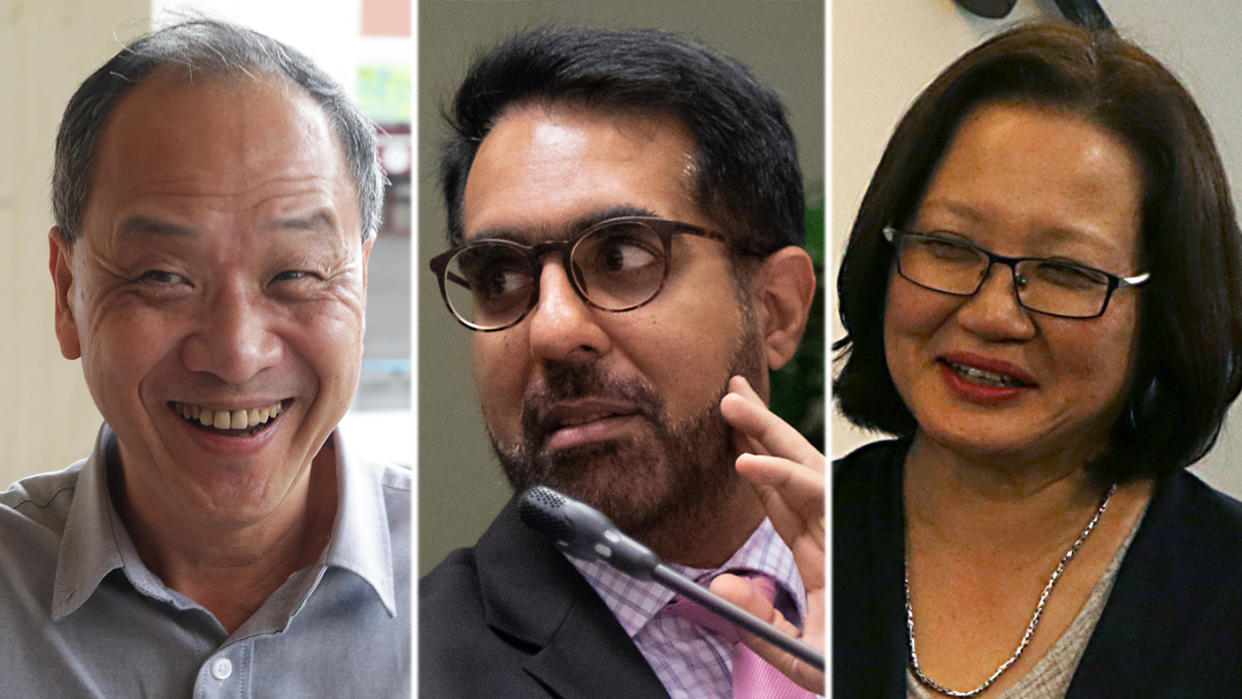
(82, 616)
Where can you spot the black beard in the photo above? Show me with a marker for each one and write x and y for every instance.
(677, 476)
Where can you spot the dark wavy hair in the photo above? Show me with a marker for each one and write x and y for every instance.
(205, 47)
(1189, 364)
(746, 161)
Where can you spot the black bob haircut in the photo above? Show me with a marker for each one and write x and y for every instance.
(746, 163)
(1189, 364)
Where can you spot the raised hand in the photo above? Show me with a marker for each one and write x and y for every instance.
(787, 472)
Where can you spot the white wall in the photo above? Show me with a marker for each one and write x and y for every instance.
(885, 51)
(47, 47)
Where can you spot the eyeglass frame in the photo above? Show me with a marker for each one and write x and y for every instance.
(664, 228)
(1115, 282)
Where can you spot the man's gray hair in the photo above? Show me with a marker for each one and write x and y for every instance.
(213, 48)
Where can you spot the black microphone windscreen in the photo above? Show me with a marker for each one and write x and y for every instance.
(540, 509)
(583, 532)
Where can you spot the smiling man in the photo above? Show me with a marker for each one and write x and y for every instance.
(216, 199)
(625, 213)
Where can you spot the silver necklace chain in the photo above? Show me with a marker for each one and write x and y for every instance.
(1030, 628)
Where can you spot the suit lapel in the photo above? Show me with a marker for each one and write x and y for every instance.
(531, 593)
(1170, 610)
(869, 620)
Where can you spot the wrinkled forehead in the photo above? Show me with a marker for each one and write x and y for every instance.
(232, 142)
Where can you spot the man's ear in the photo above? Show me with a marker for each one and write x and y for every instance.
(366, 257)
(783, 288)
(60, 262)
(366, 265)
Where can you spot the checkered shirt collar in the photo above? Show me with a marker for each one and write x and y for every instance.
(634, 602)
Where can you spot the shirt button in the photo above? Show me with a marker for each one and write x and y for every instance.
(222, 668)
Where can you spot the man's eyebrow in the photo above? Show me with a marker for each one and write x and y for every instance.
(316, 221)
(561, 232)
(583, 222)
(141, 226)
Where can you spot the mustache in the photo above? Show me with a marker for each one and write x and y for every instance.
(573, 380)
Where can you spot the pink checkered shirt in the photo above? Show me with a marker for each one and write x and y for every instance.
(691, 662)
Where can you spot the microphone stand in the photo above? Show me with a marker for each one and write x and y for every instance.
(737, 616)
(582, 531)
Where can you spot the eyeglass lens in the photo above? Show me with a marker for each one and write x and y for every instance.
(1045, 285)
(616, 267)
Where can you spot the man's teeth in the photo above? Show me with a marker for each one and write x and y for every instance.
(977, 375)
(228, 419)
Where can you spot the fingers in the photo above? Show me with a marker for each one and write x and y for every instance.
(804, 487)
(747, 413)
(742, 592)
(787, 472)
(794, 500)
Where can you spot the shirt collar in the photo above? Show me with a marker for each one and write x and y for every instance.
(634, 602)
(360, 537)
(95, 540)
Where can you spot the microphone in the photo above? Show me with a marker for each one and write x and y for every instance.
(583, 532)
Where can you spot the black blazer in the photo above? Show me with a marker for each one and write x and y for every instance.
(1172, 626)
(510, 617)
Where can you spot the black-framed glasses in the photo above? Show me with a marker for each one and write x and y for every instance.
(615, 265)
(946, 263)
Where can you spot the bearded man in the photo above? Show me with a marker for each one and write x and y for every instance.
(625, 213)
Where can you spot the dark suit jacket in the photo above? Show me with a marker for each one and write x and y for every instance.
(510, 617)
(1172, 626)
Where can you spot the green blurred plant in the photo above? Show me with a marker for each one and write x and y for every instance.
(798, 387)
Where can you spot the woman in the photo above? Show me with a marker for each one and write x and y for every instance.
(1042, 299)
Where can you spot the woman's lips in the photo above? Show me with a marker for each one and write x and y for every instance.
(985, 377)
(981, 379)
